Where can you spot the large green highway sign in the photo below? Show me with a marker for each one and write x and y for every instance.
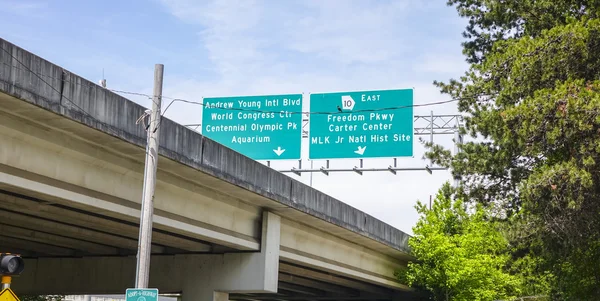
(365, 124)
(260, 127)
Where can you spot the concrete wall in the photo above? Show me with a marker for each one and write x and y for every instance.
(35, 80)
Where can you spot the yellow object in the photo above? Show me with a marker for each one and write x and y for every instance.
(8, 295)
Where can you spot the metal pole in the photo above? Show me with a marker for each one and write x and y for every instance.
(6, 280)
(457, 142)
(322, 169)
(311, 175)
(431, 129)
(145, 236)
(456, 138)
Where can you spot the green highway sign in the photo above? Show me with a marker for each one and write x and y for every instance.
(260, 127)
(360, 125)
(141, 294)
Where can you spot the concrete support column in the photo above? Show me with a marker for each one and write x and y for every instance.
(220, 296)
(241, 272)
(204, 294)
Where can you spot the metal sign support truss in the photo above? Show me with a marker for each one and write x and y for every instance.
(423, 125)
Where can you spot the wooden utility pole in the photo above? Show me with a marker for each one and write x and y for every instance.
(145, 237)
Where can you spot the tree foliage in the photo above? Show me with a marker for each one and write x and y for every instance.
(496, 20)
(460, 256)
(531, 98)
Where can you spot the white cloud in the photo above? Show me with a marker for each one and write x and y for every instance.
(441, 63)
(23, 7)
(250, 47)
(271, 47)
(349, 34)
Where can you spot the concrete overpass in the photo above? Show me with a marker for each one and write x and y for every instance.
(225, 226)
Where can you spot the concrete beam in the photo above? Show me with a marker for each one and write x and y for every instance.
(312, 298)
(56, 240)
(29, 222)
(335, 268)
(71, 176)
(331, 288)
(319, 249)
(8, 242)
(329, 278)
(24, 252)
(204, 277)
(97, 204)
(292, 287)
(40, 208)
(311, 247)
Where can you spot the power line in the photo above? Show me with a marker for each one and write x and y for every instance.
(173, 100)
(61, 95)
(132, 93)
(200, 103)
(300, 112)
(49, 85)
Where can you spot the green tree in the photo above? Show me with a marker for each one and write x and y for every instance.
(496, 20)
(460, 255)
(531, 97)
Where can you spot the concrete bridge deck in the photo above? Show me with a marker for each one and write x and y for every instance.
(71, 170)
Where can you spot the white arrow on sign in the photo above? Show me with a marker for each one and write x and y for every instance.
(347, 102)
(279, 151)
(361, 150)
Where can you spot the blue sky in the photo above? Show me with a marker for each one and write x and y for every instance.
(247, 47)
